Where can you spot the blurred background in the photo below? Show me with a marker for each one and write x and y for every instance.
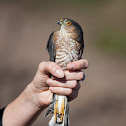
(25, 26)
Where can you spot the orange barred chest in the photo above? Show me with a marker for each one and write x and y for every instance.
(67, 50)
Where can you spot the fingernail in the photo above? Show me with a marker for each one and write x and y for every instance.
(71, 66)
(59, 72)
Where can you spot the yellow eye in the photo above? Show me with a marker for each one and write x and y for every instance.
(68, 23)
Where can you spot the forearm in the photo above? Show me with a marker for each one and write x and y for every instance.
(22, 111)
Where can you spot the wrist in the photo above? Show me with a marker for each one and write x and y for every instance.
(23, 110)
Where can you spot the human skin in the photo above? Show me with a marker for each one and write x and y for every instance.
(24, 110)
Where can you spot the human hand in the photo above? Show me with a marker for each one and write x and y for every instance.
(64, 82)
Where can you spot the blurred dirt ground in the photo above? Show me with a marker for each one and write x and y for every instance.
(23, 37)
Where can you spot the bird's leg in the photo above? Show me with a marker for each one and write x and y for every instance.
(66, 119)
(61, 110)
(51, 107)
(56, 111)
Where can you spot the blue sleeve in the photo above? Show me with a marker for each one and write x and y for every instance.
(1, 115)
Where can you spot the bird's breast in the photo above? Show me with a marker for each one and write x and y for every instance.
(67, 50)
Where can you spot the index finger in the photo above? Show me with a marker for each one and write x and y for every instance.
(78, 65)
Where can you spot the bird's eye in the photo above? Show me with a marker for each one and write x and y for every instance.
(68, 23)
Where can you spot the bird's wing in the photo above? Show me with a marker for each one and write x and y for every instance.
(81, 50)
(51, 48)
(81, 41)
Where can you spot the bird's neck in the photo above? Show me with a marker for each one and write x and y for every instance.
(68, 33)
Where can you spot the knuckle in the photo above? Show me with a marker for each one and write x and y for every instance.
(81, 75)
(86, 64)
(56, 89)
(41, 65)
(74, 84)
(50, 84)
(70, 92)
(66, 73)
(51, 64)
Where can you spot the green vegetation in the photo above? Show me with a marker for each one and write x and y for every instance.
(56, 2)
(113, 42)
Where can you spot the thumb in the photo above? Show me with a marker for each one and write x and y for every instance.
(50, 68)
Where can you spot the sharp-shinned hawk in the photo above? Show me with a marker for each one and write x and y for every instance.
(64, 46)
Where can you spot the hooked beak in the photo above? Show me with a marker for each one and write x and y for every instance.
(59, 22)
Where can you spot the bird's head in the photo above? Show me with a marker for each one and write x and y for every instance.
(69, 25)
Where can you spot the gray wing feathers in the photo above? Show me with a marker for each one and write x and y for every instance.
(82, 44)
(51, 48)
